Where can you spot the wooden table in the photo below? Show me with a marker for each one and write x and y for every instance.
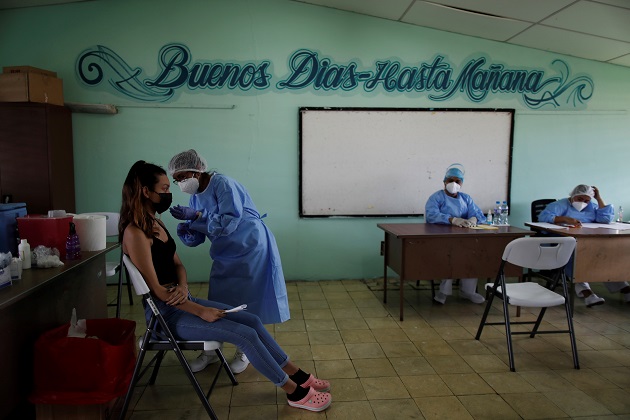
(41, 300)
(424, 251)
(601, 254)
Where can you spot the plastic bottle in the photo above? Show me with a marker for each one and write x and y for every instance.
(496, 220)
(505, 209)
(620, 215)
(24, 249)
(489, 217)
(73, 247)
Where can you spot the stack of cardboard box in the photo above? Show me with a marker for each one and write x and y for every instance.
(30, 84)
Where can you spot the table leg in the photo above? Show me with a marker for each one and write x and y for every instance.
(385, 270)
(402, 284)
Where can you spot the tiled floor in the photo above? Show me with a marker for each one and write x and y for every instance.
(428, 366)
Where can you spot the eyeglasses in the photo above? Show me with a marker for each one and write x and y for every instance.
(183, 178)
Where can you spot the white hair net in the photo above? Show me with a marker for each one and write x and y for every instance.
(583, 190)
(187, 161)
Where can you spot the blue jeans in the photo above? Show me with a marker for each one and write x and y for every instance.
(243, 329)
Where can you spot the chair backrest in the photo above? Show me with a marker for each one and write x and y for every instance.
(538, 206)
(111, 222)
(139, 285)
(540, 253)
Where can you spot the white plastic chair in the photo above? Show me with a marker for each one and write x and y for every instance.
(539, 254)
(113, 268)
(158, 337)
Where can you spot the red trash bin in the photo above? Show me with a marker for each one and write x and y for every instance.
(80, 371)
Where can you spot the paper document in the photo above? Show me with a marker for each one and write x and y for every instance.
(548, 225)
(236, 309)
(614, 225)
(487, 227)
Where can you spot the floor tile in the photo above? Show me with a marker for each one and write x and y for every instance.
(425, 386)
(466, 384)
(403, 409)
(533, 406)
(332, 369)
(577, 403)
(488, 406)
(384, 388)
(439, 408)
(366, 368)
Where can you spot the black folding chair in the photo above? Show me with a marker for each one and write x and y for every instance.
(158, 337)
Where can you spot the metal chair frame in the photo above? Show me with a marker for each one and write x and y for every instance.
(545, 261)
(158, 337)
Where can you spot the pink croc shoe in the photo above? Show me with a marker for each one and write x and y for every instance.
(317, 384)
(314, 401)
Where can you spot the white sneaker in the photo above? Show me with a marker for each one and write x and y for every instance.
(203, 360)
(240, 362)
(440, 298)
(473, 297)
(593, 300)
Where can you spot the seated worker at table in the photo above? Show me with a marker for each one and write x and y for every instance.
(152, 249)
(577, 209)
(452, 207)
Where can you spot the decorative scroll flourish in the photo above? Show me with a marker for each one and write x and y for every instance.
(309, 71)
(575, 91)
(95, 64)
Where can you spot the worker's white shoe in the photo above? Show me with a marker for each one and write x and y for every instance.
(473, 297)
(593, 300)
(440, 298)
(203, 360)
(240, 362)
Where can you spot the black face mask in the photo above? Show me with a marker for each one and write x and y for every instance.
(165, 202)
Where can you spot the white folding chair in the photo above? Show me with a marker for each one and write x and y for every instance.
(158, 337)
(539, 254)
(112, 267)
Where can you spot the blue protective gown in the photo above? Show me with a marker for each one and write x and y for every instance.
(440, 207)
(591, 213)
(246, 266)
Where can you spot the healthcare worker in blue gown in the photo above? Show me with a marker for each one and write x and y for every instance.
(246, 266)
(450, 206)
(584, 205)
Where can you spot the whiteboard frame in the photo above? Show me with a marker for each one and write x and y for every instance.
(306, 212)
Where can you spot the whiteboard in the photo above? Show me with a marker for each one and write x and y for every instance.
(387, 161)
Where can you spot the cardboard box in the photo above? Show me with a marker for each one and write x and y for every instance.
(28, 69)
(31, 87)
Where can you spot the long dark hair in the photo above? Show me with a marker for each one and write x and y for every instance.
(132, 211)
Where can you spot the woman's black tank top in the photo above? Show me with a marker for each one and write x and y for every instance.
(162, 254)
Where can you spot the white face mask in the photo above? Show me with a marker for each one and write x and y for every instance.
(453, 187)
(579, 205)
(189, 185)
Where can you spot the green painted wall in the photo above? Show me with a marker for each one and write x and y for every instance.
(257, 142)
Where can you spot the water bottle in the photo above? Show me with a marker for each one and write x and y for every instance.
(620, 215)
(73, 247)
(504, 213)
(496, 220)
(489, 217)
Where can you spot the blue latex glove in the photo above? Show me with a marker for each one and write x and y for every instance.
(183, 213)
(182, 229)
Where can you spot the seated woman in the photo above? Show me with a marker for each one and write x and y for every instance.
(449, 206)
(577, 209)
(152, 249)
